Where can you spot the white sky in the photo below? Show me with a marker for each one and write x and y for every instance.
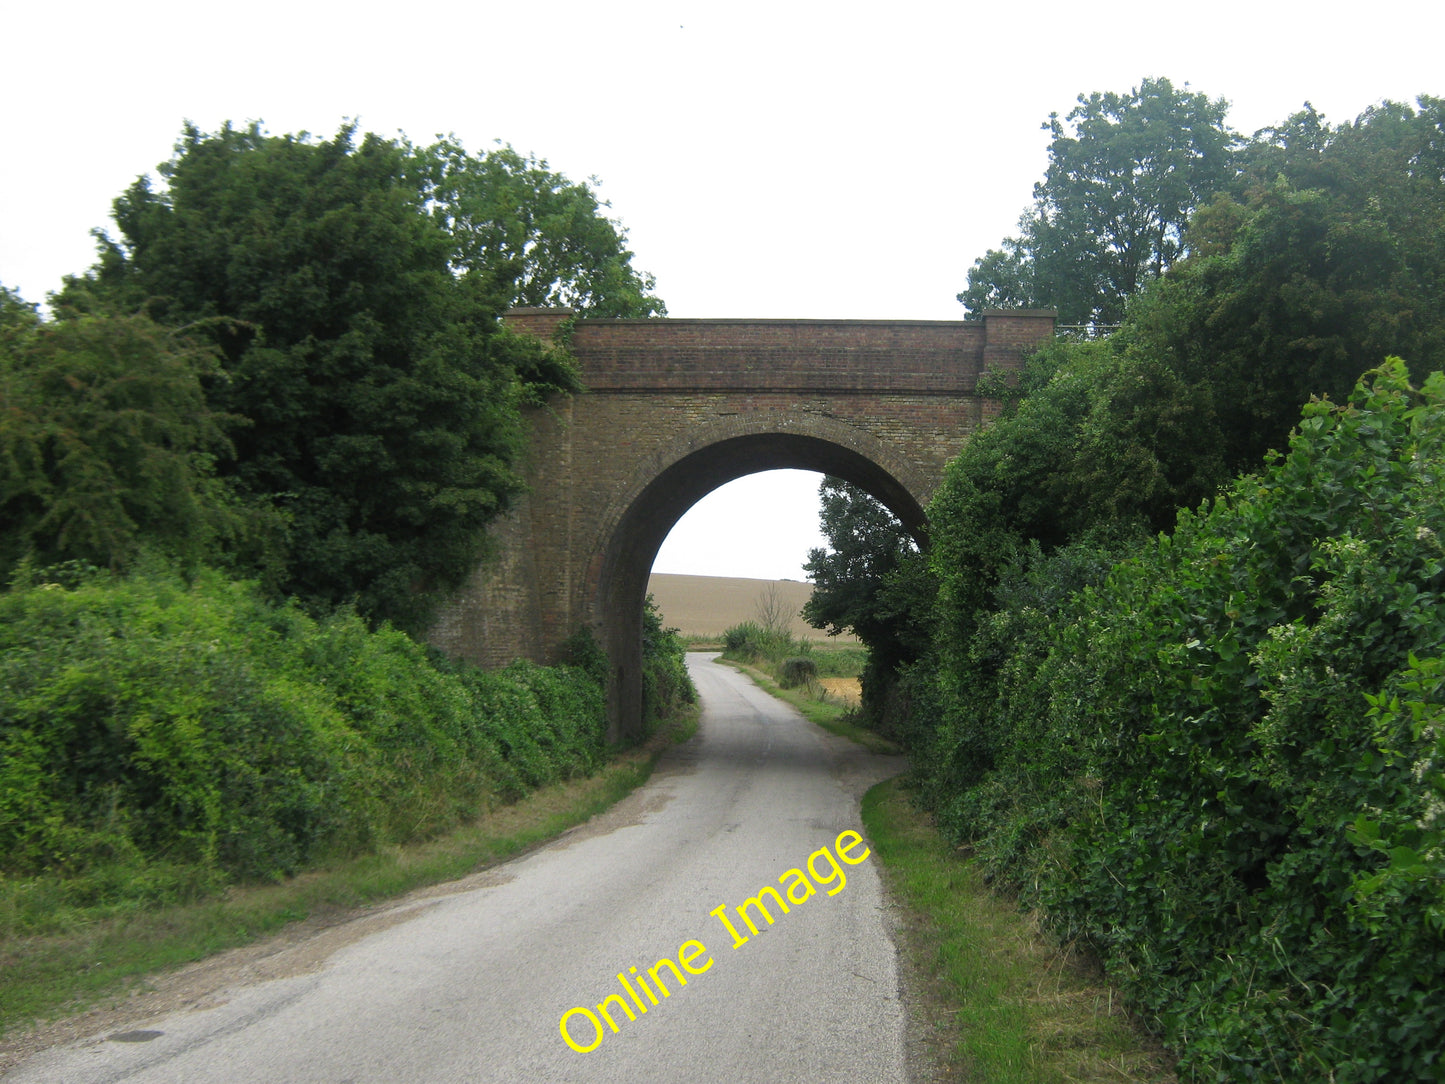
(781, 159)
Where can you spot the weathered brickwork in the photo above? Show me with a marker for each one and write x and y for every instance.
(676, 408)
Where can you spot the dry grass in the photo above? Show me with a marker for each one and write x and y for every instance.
(706, 606)
(846, 690)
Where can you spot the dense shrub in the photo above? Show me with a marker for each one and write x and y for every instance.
(666, 686)
(743, 640)
(752, 642)
(797, 670)
(147, 719)
(1222, 766)
(107, 445)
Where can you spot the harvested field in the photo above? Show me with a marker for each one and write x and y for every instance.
(846, 690)
(709, 605)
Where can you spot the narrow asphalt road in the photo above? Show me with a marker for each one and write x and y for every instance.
(473, 983)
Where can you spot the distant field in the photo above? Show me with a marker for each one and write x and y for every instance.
(708, 605)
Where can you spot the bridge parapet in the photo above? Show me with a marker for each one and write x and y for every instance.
(917, 357)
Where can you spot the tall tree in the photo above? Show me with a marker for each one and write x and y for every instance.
(360, 342)
(1125, 173)
(1326, 258)
(872, 581)
(866, 544)
(533, 236)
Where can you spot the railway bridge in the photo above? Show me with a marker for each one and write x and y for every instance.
(676, 408)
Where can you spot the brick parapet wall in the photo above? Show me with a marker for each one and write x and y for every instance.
(835, 356)
(778, 355)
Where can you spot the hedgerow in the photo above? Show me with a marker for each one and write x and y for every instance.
(666, 687)
(150, 723)
(1222, 763)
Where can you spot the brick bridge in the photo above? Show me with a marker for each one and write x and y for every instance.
(675, 409)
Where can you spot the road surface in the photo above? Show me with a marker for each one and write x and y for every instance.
(473, 983)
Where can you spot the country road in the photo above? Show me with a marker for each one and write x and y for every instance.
(471, 983)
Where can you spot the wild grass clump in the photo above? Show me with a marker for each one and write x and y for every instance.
(797, 670)
(750, 642)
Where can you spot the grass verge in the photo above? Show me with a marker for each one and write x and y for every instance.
(98, 957)
(1000, 1003)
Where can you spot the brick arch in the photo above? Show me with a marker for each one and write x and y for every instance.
(760, 441)
(675, 408)
(659, 497)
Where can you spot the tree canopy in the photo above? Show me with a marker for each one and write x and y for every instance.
(352, 287)
(1324, 257)
(106, 442)
(533, 236)
(1125, 173)
(1166, 665)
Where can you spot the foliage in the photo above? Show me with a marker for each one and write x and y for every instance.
(866, 544)
(1314, 272)
(797, 670)
(354, 289)
(1104, 445)
(350, 348)
(744, 636)
(106, 443)
(752, 642)
(1295, 292)
(1125, 172)
(1220, 764)
(532, 236)
(871, 580)
(16, 313)
(666, 686)
(582, 651)
(151, 724)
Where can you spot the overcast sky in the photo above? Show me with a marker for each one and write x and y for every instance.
(767, 159)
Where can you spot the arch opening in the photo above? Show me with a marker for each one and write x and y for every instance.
(758, 527)
(640, 530)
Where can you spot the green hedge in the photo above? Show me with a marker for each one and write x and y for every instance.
(1223, 764)
(666, 687)
(146, 722)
